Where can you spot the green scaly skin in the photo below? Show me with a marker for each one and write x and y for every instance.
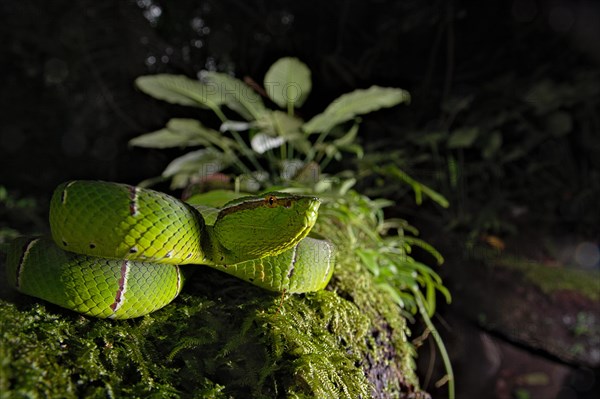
(125, 222)
(93, 286)
(306, 267)
(116, 248)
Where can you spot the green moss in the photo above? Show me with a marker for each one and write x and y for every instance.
(551, 279)
(222, 338)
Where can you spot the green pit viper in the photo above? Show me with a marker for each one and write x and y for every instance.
(116, 249)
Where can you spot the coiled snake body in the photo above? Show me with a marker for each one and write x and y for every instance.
(116, 250)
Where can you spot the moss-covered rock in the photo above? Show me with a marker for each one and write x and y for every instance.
(221, 338)
(549, 308)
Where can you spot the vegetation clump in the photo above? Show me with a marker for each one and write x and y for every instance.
(223, 337)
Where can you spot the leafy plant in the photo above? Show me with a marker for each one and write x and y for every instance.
(279, 145)
(281, 151)
(517, 149)
(358, 224)
(510, 147)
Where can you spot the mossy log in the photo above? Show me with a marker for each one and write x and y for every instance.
(222, 338)
(549, 308)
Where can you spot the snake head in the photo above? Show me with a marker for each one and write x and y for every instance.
(254, 227)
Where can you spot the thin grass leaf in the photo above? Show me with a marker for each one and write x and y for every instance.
(418, 188)
(414, 241)
(439, 343)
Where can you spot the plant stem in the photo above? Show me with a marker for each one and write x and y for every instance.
(247, 151)
(323, 165)
(438, 341)
(312, 154)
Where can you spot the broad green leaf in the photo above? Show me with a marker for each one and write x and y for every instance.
(322, 186)
(204, 162)
(493, 145)
(165, 138)
(358, 102)
(234, 126)
(288, 82)
(210, 136)
(177, 133)
(308, 174)
(348, 142)
(463, 138)
(234, 93)
(301, 144)
(279, 123)
(348, 138)
(331, 150)
(334, 151)
(179, 89)
(146, 183)
(355, 149)
(180, 180)
(347, 185)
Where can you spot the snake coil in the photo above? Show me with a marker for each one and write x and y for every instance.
(116, 250)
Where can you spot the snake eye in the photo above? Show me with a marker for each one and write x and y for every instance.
(270, 200)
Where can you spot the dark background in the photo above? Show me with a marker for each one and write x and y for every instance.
(69, 106)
